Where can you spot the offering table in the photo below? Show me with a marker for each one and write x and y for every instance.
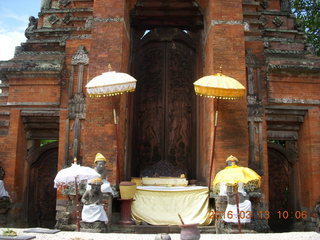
(159, 205)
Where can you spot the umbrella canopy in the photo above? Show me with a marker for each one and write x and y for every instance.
(234, 175)
(111, 83)
(80, 173)
(219, 86)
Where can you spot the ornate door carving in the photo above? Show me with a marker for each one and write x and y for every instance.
(164, 125)
(42, 194)
(279, 190)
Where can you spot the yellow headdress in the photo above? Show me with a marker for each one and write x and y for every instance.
(99, 157)
(96, 181)
(232, 158)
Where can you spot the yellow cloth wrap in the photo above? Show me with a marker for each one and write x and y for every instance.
(163, 207)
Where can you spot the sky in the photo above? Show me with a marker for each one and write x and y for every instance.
(14, 19)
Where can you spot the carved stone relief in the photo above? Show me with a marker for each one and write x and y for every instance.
(255, 112)
(81, 57)
(285, 5)
(67, 18)
(33, 23)
(77, 106)
(64, 3)
(264, 4)
(53, 19)
(277, 21)
(263, 22)
(45, 4)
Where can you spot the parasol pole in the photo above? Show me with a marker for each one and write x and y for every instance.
(77, 204)
(215, 110)
(77, 199)
(238, 211)
(117, 140)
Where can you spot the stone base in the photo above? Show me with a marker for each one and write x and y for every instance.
(94, 227)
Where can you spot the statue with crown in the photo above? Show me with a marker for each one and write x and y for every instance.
(234, 182)
(97, 199)
(100, 167)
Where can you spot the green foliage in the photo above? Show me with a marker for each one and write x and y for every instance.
(44, 142)
(308, 15)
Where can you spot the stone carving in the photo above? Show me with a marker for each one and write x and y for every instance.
(64, 3)
(263, 22)
(93, 210)
(67, 18)
(5, 202)
(3, 192)
(298, 25)
(100, 167)
(88, 23)
(285, 5)
(81, 57)
(33, 23)
(277, 21)
(264, 4)
(77, 106)
(53, 19)
(45, 4)
(251, 59)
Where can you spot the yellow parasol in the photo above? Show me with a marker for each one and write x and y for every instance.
(234, 174)
(112, 83)
(218, 86)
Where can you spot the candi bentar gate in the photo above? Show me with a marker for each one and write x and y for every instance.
(166, 46)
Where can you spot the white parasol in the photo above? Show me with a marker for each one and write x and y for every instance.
(107, 84)
(75, 174)
(80, 173)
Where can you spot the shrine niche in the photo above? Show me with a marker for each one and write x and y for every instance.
(164, 104)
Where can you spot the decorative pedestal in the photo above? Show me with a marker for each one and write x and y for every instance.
(94, 227)
(125, 212)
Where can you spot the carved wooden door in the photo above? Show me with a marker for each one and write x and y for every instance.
(42, 194)
(164, 125)
(279, 191)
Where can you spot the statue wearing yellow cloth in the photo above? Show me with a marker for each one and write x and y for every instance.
(231, 181)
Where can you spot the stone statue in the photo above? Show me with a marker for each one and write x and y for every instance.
(245, 210)
(33, 22)
(92, 199)
(3, 193)
(100, 167)
(45, 4)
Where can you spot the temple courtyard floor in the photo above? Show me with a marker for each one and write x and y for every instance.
(120, 236)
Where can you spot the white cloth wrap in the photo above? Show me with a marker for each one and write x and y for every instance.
(105, 187)
(94, 212)
(3, 192)
(223, 189)
(244, 216)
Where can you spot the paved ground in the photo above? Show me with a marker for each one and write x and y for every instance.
(120, 236)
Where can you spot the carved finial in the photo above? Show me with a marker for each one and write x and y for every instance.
(220, 69)
(75, 160)
(109, 68)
